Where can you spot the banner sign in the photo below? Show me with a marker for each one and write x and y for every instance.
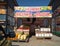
(31, 12)
(23, 14)
(42, 14)
(33, 8)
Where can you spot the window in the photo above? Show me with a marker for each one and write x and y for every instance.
(11, 20)
(3, 17)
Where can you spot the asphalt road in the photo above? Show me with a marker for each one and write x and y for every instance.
(55, 41)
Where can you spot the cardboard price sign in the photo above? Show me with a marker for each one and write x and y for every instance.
(2, 11)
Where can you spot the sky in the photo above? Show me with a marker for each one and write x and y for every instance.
(33, 2)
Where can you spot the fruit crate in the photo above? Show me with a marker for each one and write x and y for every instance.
(26, 40)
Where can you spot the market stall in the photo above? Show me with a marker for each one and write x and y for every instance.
(30, 13)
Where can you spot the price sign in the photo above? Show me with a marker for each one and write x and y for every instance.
(2, 11)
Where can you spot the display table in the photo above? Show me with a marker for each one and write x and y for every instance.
(43, 33)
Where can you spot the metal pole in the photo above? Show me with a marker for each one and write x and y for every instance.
(6, 17)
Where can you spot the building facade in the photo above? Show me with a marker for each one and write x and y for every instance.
(7, 19)
(55, 4)
(56, 15)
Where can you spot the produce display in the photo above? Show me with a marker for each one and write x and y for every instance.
(19, 36)
(15, 38)
(43, 33)
(22, 36)
(24, 29)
